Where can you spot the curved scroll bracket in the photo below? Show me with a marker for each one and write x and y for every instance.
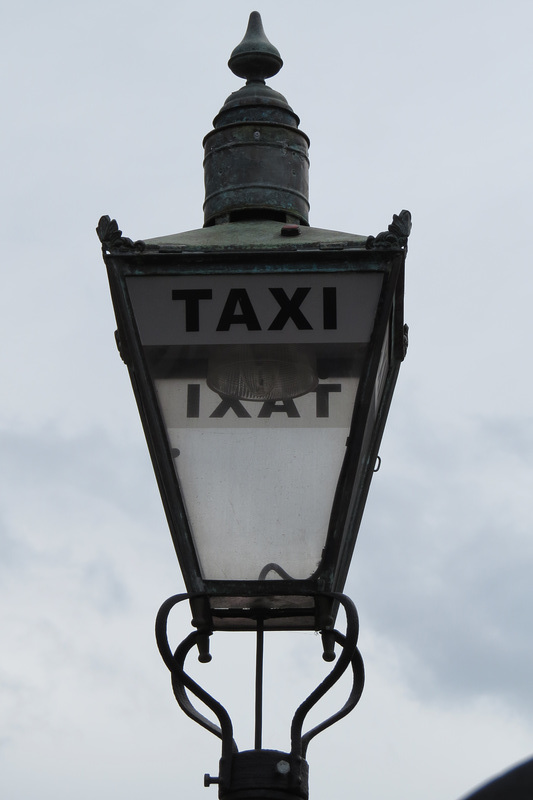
(182, 684)
(350, 655)
(181, 681)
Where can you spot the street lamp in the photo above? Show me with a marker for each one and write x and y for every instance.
(263, 355)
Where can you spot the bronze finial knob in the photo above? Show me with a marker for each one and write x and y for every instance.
(255, 58)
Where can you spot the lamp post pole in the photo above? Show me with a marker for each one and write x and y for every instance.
(263, 354)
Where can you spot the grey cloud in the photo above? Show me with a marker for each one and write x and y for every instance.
(447, 558)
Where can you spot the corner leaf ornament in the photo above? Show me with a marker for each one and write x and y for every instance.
(111, 236)
(395, 237)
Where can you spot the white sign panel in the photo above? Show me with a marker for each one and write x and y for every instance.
(259, 309)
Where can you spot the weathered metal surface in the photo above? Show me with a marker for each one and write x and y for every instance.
(255, 58)
(256, 167)
(257, 235)
(395, 236)
(256, 159)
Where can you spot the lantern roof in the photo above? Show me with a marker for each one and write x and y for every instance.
(263, 234)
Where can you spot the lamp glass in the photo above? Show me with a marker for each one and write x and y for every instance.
(256, 378)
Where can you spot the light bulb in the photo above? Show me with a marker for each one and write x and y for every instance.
(262, 372)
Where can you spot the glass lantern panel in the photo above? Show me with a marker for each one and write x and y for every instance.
(256, 378)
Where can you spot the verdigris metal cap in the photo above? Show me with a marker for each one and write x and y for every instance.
(256, 161)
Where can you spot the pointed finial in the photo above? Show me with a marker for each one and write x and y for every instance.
(255, 58)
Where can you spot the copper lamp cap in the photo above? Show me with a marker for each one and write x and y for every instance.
(256, 159)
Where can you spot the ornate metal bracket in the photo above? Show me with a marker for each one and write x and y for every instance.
(112, 239)
(282, 775)
(395, 237)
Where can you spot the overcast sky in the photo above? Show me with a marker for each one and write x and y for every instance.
(419, 105)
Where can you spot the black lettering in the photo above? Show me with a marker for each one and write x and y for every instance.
(192, 299)
(290, 309)
(322, 397)
(238, 297)
(193, 400)
(225, 405)
(329, 307)
(285, 406)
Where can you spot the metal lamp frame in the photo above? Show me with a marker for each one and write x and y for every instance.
(260, 773)
(384, 254)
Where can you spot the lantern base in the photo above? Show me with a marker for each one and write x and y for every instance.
(263, 775)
